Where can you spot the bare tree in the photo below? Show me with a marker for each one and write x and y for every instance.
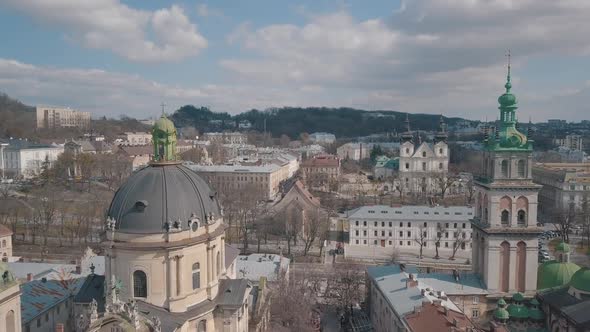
(469, 191)
(564, 219)
(444, 181)
(195, 155)
(345, 287)
(440, 230)
(313, 225)
(289, 311)
(421, 238)
(460, 241)
(284, 141)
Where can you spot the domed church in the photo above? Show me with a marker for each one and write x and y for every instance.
(165, 252)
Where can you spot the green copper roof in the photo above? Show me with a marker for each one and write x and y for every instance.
(553, 274)
(581, 280)
(164, 124)
(501, 314)
(518, 297)
(518, 311)
(535, 302)
(507, 137)
(10, 280)
(563, 247)
(164, 140)
(536, 314)
(501, 302)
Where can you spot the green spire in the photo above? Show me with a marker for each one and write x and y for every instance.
(164, 140)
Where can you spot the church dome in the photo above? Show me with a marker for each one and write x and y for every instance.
(554, 274)
(507, 100)
(563, 247)
(164, 124)
(581, 280)
(162, 194)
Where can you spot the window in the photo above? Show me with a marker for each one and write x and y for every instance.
(407, 150)
(390, 224)
(409, 225)
(455, 225)
(447, 235)
(474, 313)
(375, 233)
(382, 233)
(375, 224)
(356, 223)
(390, 234)
(463, 225)
(409, 243)
(364, 241)
(383, 224)
(139, 284)
(423, 166)
(401, 224)
(196, 275)
(440, 151)
(409, 234)
(357, 241)
(356, 232)
(424, 154)
(521, 168)
(364, 223)
(521, 216)
(504, 168)
(401, 243)
(446, 225)
(401, 234)
(364, 233)
(424, 234)
(475, 299)
(407, 165)
(440, 165)
(218, 263)
(446, 244)
(389, 242)
(202, 326)
(505, 217)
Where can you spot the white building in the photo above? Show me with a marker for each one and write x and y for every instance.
(59, 117)
(264, 179)
(24, 159)
(322, 138)
(354, 151)
(136, 138)
(398, 228)
(10, 301)
(572, 142)
(226, 137)
(5, 243)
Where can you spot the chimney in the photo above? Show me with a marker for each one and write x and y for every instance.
(455, 322)
(59, 327)
(29, 276)
(410, 283)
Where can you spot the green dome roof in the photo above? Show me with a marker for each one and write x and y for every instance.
(581, 280)
(507, 100)
(534, 302)
(562, 246)
(501, 314)
(554, 274)
(164, 124)
(518, 297)
(501, 302)
(536, 314)
(518, 311)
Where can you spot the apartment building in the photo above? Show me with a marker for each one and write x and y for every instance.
(59, 117)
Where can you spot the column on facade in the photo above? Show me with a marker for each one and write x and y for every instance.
(179, 275)
(171, 276)
(513, 261)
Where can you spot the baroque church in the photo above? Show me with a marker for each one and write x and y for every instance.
(421, 163)
(166, 261)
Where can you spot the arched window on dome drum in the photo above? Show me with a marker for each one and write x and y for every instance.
(139, 284)
(504, 169)
(521, 168)
(196, 276)
(202, 326)
(521, 218)
(218, 263)
(10, 321)
(505, 218)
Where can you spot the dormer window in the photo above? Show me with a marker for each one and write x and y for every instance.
(140, 205)
(424, 154)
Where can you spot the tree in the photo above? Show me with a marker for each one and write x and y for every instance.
(440, 230)
(217, 153)
(469, 191)
(376, 151)
(421, 238)
(195, 155)
(564, 219)
(304, 137)
(345, 287)
(460, 240)
(293, 300)
(284, 141)
(313, 226)
(444, 181)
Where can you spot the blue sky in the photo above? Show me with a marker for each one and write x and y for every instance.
(116, 57)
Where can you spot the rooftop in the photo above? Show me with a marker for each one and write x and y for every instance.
(267, 168)
(39, 296)
(254, 266)
(412, 212)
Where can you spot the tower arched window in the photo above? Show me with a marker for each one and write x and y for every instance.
(3, 243)
(407, 151)
(139, 284)
(521, 217)
(440, 151)
(521, 168)
(10, 321)
(505, 217)
(196, 275)
(504, 168)
(202, 326)
(218, 263)
(424, 154)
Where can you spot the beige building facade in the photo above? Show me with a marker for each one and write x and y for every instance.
(10, 310)
(59, 117)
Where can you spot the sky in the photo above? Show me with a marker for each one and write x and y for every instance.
(116, 57)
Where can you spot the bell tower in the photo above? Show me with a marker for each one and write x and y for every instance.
(505, 228)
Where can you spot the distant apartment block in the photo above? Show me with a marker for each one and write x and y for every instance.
(354, 151)
(136, 138)
(321, 169)
(226, 137)
(572, 142)
(56, 117)
(264, 181)
(565, 185)
(322, 138)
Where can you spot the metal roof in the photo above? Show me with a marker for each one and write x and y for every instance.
(39, 296)
(412, 212)
(254, 266)
(166, 193)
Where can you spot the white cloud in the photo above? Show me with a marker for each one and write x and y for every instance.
(138, 35)
(429, 56)
(203, 10)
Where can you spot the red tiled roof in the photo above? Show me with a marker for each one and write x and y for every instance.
(434, 317)
(5, 231)
(322, 161)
